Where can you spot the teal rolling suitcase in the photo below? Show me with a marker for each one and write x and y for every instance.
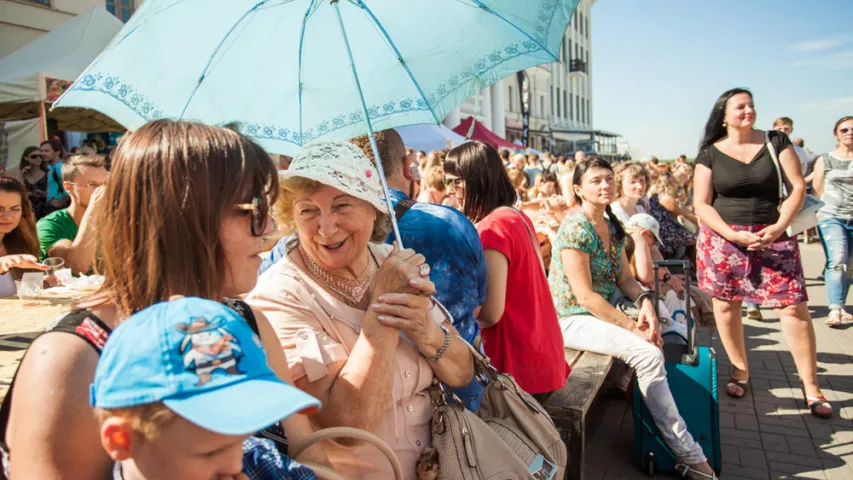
(692, 375)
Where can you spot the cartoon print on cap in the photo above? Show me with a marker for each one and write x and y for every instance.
(208, 347)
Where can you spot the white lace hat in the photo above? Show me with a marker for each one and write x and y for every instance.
(340, 165)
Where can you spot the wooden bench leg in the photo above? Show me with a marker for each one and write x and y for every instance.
(576, 446)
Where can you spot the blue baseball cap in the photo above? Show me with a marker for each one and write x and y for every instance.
(203, 361)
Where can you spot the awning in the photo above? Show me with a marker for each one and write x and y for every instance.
(470, 128)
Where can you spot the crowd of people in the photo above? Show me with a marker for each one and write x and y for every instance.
(337, 325)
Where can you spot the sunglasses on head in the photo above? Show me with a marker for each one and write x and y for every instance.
(455, 182)
(260, 214)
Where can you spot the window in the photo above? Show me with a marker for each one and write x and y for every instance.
(565, 104)
(588, 112)
(569, 52)
(580, 20)
(511, 101)
(578, 107)
(542, 105)
(122, 9)
(587, 26)
(558, 103)
(578, 52)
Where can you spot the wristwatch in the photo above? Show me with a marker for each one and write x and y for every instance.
(440, 352)
(666, 277)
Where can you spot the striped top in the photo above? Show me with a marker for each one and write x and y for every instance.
(837, 188)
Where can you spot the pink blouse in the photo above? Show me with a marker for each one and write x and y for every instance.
(315, 330)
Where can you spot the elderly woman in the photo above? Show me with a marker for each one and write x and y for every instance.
(354, 315)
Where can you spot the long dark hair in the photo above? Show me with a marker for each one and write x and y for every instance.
(24, 163)
(714, 129)
(23, 239)
(487, 185)
(580, 169)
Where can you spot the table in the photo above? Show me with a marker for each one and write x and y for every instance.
(21, 321)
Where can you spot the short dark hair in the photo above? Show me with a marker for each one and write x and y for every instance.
(55, 145)
(390, 146)
(487, 185)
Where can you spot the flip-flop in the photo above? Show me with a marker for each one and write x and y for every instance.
(735, 383)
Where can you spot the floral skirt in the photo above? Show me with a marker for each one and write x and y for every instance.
(770, 278)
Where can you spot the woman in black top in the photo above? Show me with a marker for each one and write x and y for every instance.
(743, 251)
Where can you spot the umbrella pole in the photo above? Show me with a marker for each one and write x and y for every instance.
(372, 140)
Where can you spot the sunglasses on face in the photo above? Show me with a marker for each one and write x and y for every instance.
(844, 130)
(35, 156)
(260, 214)
(454, 182)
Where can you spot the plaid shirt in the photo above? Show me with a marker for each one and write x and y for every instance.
(261, 461)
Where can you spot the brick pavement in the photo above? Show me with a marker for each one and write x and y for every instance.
(768, 434)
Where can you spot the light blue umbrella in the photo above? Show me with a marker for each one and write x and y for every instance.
(292, 71)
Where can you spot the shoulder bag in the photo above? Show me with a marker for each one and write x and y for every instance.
(807, 217)
(510, 437)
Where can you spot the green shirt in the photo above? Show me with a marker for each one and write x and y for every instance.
(578, 233)
(57, 226)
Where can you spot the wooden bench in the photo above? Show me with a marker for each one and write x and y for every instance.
(570, 405)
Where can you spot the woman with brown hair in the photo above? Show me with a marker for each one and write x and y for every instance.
(33, 170)
(519, 324)
(19, 243)
(186, 214)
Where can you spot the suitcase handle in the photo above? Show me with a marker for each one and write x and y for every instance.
(688, 357)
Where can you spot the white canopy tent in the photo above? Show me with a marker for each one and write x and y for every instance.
(32, 77)
(428, 137)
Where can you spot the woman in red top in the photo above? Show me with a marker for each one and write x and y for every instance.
(519, 324)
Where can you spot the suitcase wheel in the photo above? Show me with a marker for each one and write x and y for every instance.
(650, 464)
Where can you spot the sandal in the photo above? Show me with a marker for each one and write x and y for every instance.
(816, 402)
(735, 383)
(684, 470)
(835, 318)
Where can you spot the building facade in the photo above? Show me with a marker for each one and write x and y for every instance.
(22, 21)
(561, 117)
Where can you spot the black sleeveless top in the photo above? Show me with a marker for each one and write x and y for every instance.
(95, 332)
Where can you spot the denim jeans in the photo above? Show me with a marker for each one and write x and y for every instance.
(837, 235)
(585, 332)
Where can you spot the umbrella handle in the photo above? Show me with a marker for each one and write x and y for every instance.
(372, 140)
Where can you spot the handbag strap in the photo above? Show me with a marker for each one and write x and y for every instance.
(347, 432)
(783, 191)
(531, 235)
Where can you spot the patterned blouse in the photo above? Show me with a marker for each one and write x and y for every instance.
(577, 232)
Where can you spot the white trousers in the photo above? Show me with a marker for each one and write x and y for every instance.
(587, 333)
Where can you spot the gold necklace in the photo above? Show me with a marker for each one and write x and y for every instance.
(352, 290)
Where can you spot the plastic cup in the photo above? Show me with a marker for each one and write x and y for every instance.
(31, 285)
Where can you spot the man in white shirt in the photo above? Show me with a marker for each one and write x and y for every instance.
(786, 126)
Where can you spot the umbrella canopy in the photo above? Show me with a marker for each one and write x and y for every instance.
(429, 137)
(471, 128)
(283, 69)
(39, 71)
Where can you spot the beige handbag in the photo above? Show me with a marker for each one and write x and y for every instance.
(511, 437)
(325, 472)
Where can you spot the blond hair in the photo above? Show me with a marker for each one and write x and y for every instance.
(147, 421)
(72, 166)
(294, 187)
(631, 170)
(433, 177)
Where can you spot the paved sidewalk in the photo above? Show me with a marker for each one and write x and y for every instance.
(768, 434)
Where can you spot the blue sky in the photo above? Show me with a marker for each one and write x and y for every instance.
(658, 66)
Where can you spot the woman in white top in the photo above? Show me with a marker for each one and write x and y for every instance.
(19, 242)
(632, 183)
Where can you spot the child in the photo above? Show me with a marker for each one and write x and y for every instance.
(179, 388)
